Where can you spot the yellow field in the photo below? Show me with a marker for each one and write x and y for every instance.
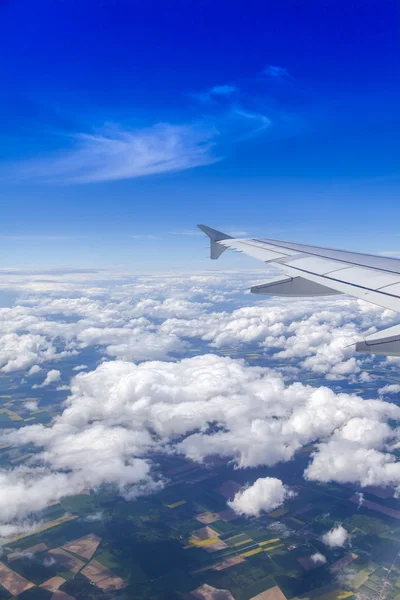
(44, 527)
(176, 504)
(278, 513)
(335, 595)
(361, 577)
(266, 542)
(203, 543)
(250, 553)
(248, 541)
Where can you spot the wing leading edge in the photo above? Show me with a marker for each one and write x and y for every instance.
(314, 271)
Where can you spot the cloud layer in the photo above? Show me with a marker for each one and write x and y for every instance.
(119, 413)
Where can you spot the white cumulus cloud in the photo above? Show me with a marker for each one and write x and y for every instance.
(336, 537)
(264, 495)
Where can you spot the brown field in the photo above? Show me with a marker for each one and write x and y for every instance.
(343, 562)
(53, 584)
(66, 560)
(85, 546)
(20, 553)
(225, 564)
(207, 592)
(207, 517)
(59, 595)
(274, 593)
(228, 489)
(14, 583)
(182, 469)
(228, 562)
(205, 533)
(380, 492)
(391, 512)
(227, 515)
(111, 583)
(102, 577)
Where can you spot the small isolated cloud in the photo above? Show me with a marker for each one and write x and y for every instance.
(238, 233)
(144, 237)
(33, 370)
(393, 388)
(336, 537)
(31, 405)
(361, 498)
(80, 367)
(265, 494)
(51, 377)
(274, 71)
(186, 232)
(223, 90)
(318, 558)
(97, 516)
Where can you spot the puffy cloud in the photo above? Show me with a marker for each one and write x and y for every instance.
(23, 351)
(320, 334)
(31, 405)
(393, 388)
(199, 407)
(318, 558)
(33, 370)
(264, 495)
(346, 462)
(153, 317)
(51, 377)
(336, 537)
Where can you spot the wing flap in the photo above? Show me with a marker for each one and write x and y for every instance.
(292, 286)
(311, 270)
(386, 342)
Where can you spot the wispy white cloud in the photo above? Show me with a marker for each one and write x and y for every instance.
(185, 232)
(223, 90)
(144, 237)
(275, 71)
(114, 153)
(227, 115)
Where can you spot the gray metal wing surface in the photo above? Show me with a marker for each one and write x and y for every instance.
(318, 271)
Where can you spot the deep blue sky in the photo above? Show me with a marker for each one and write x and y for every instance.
(124, 118)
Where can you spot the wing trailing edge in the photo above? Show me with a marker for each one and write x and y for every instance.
(318, 271)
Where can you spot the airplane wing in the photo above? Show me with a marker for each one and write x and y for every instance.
(314, 271)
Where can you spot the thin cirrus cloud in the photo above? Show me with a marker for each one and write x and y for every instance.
(223, 90)
(275, 71)
(115, 151)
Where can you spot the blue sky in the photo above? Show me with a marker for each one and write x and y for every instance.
(123, 124)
